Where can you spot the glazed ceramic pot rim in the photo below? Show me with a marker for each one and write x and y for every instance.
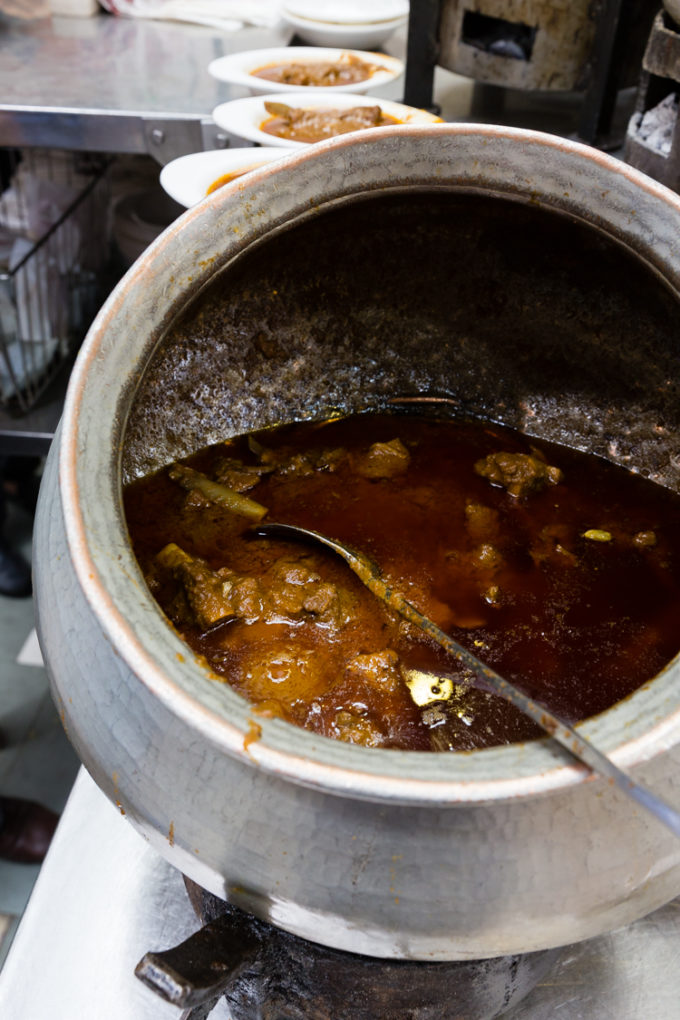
(527, 165)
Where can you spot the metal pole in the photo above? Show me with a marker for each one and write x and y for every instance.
(421, 54)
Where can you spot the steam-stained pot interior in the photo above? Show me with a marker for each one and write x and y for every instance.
(514, 312)
(519, 315)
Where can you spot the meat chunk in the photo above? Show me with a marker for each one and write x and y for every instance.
(314, 124)
(285, 675)
(383, 460)
(518, 473)
(289, 590)
(346, 70)
(302, 465)
(239, 476)
(486, 559)
(357, 729)
(204, 589)
(294, 589)
(482, 522)
(379, 670)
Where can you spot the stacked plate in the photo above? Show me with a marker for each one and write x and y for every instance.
(282, 75)
(189, 179)
(363, 24)
(297, 68)
(254, 118)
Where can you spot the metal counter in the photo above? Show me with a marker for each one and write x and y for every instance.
(112, 84)
(104, 897)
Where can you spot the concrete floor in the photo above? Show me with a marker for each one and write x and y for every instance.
(38, 762)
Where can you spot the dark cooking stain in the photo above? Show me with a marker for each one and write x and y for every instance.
(514, 311)
(253, 735)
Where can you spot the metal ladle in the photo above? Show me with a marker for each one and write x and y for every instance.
(369, 573)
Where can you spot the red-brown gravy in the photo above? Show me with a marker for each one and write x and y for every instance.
(227, 178)
(570, 587)
(348, 69)
(300, 124)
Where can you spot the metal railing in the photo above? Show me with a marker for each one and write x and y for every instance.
(54, 245)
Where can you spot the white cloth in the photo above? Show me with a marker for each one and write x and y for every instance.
(226, 15)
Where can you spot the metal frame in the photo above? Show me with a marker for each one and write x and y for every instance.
(50, 289)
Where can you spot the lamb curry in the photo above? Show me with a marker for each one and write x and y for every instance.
(298, 124)
(559, 569)
(348, 69)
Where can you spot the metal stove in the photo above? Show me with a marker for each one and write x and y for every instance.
(104, 898)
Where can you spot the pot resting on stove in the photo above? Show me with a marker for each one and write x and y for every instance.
(382, 264)
(558, 569)
(576, 557)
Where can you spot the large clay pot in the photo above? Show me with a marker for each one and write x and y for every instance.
(528, 278)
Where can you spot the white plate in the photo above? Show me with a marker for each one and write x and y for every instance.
(347, 11)
(243, 117)
(238, 68)
(188, 178)
(361, 35)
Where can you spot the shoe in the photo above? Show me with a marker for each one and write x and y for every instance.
(20, 482)
(15, 573)
(26, 830)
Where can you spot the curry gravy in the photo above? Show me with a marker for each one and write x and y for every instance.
(348, 69)
(566, 581)
(298, 124)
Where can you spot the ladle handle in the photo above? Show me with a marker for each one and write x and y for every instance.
(577, 745)
(369, 574)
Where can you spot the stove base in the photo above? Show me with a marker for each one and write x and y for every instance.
(268, 974)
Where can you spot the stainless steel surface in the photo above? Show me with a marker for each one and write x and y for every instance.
(136, 86)
(104, 898)
(342, 844)
(627, 975)
(111, 84)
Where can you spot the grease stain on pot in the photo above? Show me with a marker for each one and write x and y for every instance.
(116, 793)
(252, 736)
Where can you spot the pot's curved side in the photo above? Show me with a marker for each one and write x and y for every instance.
(528, 167)
(341, 845)
(461, 882)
